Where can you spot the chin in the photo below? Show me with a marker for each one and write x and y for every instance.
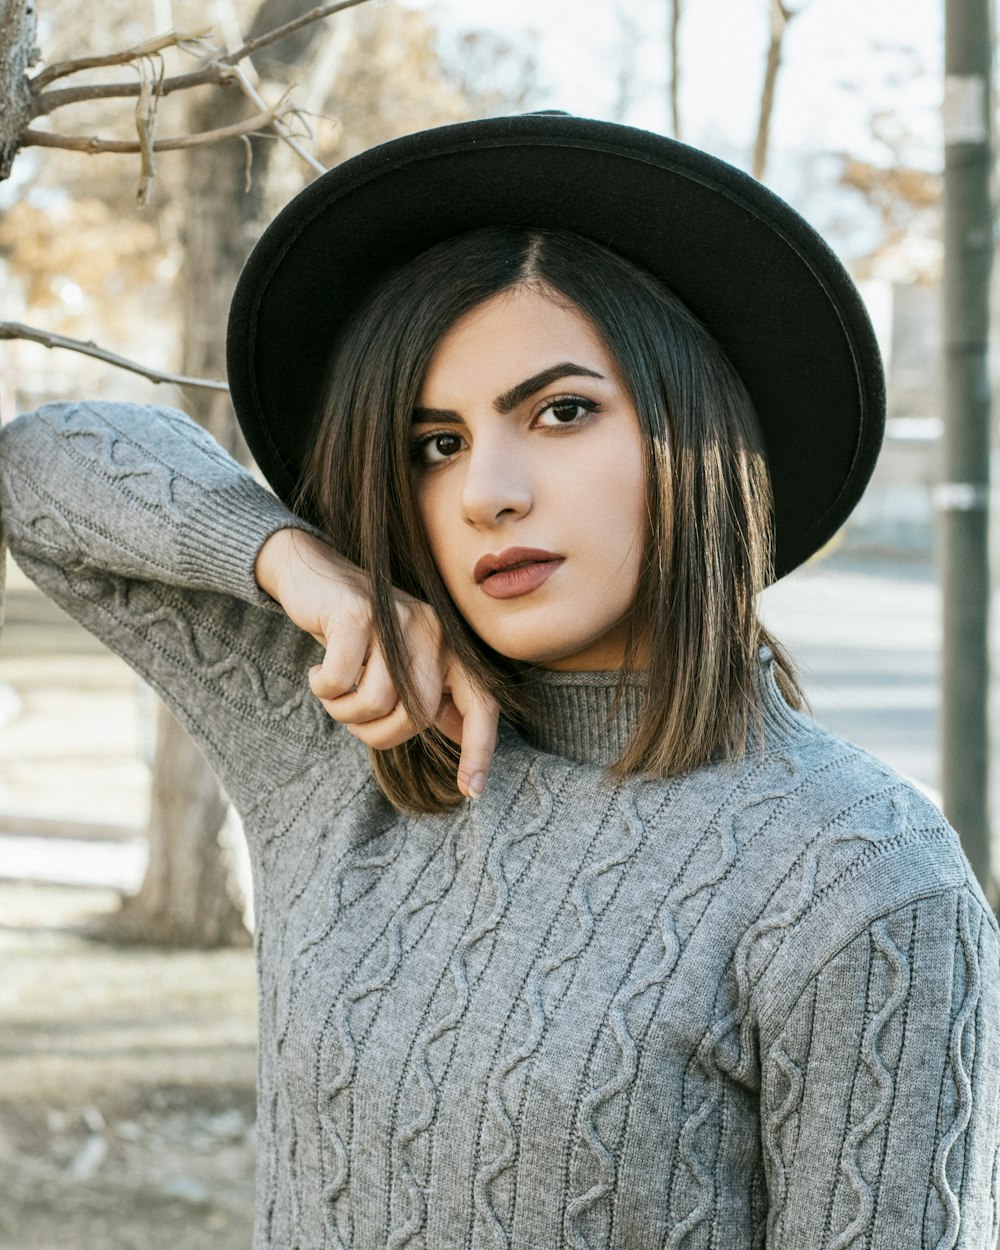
(525, 650)
(557, 640)
(537, 653)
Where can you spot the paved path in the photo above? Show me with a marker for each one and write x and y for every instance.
(867, 636)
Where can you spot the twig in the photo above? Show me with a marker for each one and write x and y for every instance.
(49, 101)
(247, 164)
(173, 39)
(145, 124)
(228, 22)
(215, 72)
(277, 125)
(279, 32)
(94, 145)
(16, 330)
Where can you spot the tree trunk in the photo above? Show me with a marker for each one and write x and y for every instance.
(187, 897)
(675, 67)
(17, 55)
(780, 17)
(218, 213)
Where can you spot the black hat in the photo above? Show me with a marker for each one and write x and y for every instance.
(760, 278)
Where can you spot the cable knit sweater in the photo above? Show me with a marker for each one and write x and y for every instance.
(756, 1005)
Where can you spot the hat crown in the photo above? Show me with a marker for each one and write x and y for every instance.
(759, 277)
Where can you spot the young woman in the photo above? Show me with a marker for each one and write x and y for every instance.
(573, 930)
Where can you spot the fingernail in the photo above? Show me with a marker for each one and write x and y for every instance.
(477, 785)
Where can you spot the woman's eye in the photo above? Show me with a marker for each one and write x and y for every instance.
(435, 448)
(565, 411)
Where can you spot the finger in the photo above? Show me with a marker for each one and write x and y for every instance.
(480, 719)
(426, 663)
(390, 731)
(449, 720)
(428, 679)
(341, 669)
(374, 698)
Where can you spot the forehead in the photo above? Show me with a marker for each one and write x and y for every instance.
(510, 336)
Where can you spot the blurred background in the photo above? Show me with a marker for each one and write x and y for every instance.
(127, 997)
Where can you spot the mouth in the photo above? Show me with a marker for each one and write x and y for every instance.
(512, 558)
(515, 572)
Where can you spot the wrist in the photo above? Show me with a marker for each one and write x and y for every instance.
(273, 559)
(288, 552)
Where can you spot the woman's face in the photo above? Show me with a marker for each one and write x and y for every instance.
(530, 479)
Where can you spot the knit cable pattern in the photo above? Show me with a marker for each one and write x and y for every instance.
(756, 1005)
(409, 1131)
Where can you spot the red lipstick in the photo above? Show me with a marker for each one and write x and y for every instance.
(515, 571)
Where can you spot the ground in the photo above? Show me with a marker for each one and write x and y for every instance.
(126, 1085)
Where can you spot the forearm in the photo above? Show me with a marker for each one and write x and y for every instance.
(144, 530)
(290, 553)
(135, 491)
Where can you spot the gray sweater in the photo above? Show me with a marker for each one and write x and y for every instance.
(756, 1005)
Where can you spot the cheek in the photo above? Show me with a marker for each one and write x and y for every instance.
(432, 508)
(626, 519)
(610, 490)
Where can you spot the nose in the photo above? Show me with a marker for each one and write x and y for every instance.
(497, 484)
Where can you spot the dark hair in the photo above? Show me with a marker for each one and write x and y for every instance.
(709, 543)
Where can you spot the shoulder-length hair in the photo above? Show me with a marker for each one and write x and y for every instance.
(709, 542)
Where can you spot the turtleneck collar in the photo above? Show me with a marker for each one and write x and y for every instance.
(577, 718)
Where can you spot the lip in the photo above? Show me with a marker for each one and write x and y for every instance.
(515, 571)
(507, 558)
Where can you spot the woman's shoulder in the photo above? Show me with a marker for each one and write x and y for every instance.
(832, 770)
(803, 843)
(835, 793)
(847, 843)
(874, 834)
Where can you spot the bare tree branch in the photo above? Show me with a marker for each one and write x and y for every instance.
(279, 32)
(94, 145)
(216, 71)
(278, 125)
(173, 39)
(48, 101)
(16, 330)
(151, 71)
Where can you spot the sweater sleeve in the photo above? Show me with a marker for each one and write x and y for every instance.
(136, 522)
(880, 1094)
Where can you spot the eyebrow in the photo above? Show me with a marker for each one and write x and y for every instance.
(510, 400)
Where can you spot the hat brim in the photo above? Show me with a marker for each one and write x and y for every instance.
(775, 297)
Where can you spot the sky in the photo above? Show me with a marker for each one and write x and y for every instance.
(845, 62)
(844, 59)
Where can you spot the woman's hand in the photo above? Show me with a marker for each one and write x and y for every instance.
(328, 597)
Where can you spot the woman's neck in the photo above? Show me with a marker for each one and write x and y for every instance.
(576, 716)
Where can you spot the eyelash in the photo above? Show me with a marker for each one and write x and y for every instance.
(569, 401)
(590, 406)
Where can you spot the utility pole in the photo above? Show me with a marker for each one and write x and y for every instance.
(963, 496)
